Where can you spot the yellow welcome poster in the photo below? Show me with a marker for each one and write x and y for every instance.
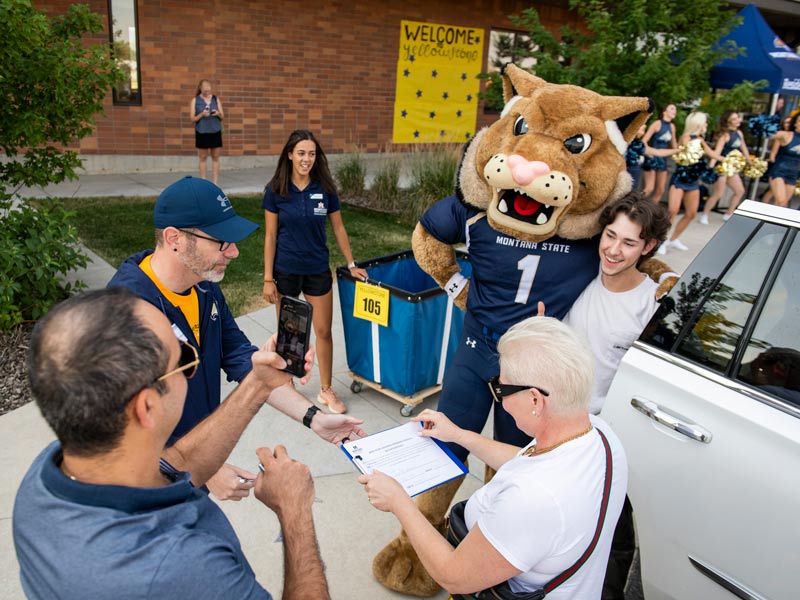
(436, 96)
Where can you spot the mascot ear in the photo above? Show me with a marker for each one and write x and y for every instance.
(624, 116)
(518, 82)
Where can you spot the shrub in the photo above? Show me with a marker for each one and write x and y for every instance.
(36, 246)
(433, 176)
(350, 174)
(385, 190)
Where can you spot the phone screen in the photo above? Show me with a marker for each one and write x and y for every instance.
(294, 332)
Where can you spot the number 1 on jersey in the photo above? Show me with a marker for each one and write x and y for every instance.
(528, 266)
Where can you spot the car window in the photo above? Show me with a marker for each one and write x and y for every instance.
(719, 324)
(677, 310)
(771, 359)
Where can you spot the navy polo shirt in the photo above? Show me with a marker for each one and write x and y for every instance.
(301, 247)
(77, 540)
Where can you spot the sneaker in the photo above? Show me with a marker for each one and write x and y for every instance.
(329, 398)
(726, 216)
(678, 245)
(703, 219)
(662, 249)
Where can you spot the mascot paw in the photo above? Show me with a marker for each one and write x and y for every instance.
(398, 568)
(665, 286)
(461, 300)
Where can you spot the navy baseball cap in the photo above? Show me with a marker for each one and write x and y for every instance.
(194, 203)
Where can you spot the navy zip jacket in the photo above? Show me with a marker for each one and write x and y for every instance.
(223, 346)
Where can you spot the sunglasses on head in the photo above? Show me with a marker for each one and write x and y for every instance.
(187, 363)
(500, 390)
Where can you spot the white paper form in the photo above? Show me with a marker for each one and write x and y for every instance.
(418, 463)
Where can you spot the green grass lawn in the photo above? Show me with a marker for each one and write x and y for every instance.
(117, 227)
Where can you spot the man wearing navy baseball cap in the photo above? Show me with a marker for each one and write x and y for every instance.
(196, 234)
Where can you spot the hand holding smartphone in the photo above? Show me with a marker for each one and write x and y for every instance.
(294, 334)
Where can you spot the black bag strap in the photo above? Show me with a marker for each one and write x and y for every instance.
(565, 575)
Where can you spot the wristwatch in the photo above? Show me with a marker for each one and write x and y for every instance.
(312, 410)
(351, 265)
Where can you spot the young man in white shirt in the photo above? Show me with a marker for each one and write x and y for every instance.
(615, 307)
(612, 312)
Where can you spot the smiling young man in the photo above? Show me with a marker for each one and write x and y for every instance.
(614, 308)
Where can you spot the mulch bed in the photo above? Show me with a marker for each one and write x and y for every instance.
(14, 390)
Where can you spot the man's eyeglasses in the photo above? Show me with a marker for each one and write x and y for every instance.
(500, 390)
(222, 245)
(187, 363)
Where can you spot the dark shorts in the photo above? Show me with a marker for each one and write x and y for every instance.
(779, 171)
(686, 187)
(311, 285)
(208, 140)
(654, 163)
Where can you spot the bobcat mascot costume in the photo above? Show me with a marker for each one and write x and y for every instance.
(530, 190)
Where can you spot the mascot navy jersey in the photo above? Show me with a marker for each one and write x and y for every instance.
(511, 276)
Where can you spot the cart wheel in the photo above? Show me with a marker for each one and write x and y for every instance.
(356, 387)
(406, 410)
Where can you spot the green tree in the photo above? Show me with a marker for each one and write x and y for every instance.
(663, 49)
(52, 85)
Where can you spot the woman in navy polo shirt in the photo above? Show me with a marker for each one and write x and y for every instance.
(298, 200)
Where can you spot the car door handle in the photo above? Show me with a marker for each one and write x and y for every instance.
(658, 414)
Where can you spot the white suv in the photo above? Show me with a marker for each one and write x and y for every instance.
(707, 405)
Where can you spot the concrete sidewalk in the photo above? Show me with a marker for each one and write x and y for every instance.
(350, 531)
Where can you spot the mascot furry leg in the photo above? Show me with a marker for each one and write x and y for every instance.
(397, 566)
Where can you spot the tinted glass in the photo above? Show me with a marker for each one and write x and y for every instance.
(720, 322)
(771, 360)
(676, 310)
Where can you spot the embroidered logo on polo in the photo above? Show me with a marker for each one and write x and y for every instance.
(224, 203)
(319, 209)
(214, 311)
(470, 342)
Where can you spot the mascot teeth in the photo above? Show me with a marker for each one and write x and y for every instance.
(502, 207)
(541, 219)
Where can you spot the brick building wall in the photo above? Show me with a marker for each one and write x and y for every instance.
(328, 66)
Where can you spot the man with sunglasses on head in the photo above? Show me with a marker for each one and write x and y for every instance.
(107, 511)
(196, 236)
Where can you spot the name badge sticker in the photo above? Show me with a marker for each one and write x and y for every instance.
(316, 196)
(371, 303)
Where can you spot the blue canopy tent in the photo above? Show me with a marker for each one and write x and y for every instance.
(767, 57)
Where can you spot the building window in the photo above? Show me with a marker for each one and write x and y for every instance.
(505, 47)
(123, 26)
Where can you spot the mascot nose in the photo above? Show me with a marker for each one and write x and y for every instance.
(524, 171)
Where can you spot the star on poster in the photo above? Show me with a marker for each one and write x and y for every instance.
(436, 95)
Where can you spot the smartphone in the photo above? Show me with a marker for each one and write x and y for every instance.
(294, 334)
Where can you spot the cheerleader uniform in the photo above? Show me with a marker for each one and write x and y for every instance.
(634, 157)
(787, 162)
(687, 177)
(662, 139)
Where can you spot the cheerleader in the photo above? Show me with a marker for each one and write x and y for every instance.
(785, 156)
(728, 138)
(660, 135)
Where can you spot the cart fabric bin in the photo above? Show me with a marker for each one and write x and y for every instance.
(414, 351)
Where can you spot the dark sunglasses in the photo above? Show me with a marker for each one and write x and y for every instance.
(500, 390)
(222, 245)
(187, 363)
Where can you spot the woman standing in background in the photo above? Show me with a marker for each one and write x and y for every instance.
(298, 201)
(728, 138)
(205, 111)
(660, 135)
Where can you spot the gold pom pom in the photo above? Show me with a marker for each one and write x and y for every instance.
(689, 154)
(756, 168)
(733, 163)
(797, 190)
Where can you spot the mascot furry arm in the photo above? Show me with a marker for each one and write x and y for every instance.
(547, 167)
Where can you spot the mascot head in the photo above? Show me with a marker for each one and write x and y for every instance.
(553, 160)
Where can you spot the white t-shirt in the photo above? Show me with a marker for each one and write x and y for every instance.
(611, 321)
(540, 513)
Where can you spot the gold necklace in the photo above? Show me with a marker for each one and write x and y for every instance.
(534, 451)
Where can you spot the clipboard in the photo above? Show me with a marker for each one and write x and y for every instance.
(417, 463)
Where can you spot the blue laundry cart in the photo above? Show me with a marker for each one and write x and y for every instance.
(407, 359)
